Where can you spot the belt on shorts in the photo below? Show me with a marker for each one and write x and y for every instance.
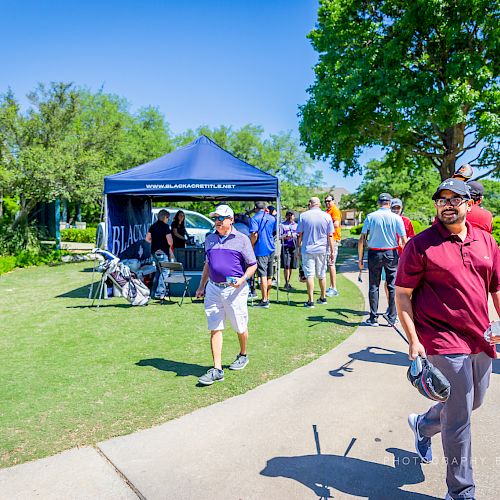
(383, 249)
(220, 285)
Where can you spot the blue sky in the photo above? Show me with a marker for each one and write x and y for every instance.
(201, 62)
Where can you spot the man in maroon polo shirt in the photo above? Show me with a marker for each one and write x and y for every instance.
(479, 216)
(444, 277)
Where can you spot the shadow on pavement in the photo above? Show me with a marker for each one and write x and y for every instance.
(372, 354)
(352, 476)
(178, 367)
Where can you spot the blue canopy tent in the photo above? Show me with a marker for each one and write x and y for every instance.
(201, 170)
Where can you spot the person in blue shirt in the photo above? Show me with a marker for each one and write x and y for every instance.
(262, 231)
(381, 231)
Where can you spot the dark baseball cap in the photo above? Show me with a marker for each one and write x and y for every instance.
(290, 212)
(476, 188)
(455, 185)
(384, 197)
(396, 202)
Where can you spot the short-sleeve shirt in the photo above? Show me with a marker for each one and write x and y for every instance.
(264, 225)
(230, 256)
(481, 218)
(181, 229)
(383, 228)
(410, 232)
(315, 226)
(451, 281)
(336, 215)
(159, 231)
(289, 229)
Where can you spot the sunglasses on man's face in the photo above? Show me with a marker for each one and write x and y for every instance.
(221, 218)
(454, 202)
(328, 201)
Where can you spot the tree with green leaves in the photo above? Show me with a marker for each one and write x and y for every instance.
(68, 140)
(279, 154)
(413, 182)
(420, 78)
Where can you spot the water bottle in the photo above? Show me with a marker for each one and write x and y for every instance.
(492, 330)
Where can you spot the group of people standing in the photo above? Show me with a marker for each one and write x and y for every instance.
(438, 282)
(164, 239)
(233, 256)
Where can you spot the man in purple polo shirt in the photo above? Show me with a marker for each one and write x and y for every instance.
(230, 262)
(442, 286)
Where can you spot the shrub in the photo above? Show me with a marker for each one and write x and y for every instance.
(23, 237)
(7, 263)
(356, 230)
(496, 229)
(79, 235)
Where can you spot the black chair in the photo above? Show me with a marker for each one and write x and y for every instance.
(177, 276)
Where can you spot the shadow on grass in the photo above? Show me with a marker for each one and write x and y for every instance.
(178, 367)
(352, 476)
(78, 293)
(89, 270)
(371, 354)
(101, 306)
(322, 319)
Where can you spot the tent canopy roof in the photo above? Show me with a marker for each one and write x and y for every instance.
(199, 170)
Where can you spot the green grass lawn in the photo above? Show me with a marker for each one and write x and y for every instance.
(72, 375)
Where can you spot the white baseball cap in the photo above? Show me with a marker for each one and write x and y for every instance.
(224, 210)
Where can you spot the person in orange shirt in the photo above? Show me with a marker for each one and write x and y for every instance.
(336, 216)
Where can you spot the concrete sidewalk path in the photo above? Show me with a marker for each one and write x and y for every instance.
(335, 428)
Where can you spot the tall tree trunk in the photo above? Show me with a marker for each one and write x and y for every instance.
(453, 141)
(25, 207)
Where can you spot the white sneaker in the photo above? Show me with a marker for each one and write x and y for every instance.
(332, 292)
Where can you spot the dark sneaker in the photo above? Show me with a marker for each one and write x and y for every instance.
(239, 363)
(213, 375)
(309, 305)
(321, 302)
(252, 295)
(263, 303)
(422, 443)
(369, 322)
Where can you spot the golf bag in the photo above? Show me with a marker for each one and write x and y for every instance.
(131, 287)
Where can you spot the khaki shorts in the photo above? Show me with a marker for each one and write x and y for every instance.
(314, 264)
(228, 303)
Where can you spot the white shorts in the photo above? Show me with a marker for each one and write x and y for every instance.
(226, 303)
(314, 264)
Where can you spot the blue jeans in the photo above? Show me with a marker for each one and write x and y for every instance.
(159, 287)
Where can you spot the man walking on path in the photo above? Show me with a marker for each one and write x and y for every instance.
(382, 230)
(336, 216)
(262, 231)
(230, 262)
(478, 216)
(444, 278)
(315, 243)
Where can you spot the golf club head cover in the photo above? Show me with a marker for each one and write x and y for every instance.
(428, 380)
